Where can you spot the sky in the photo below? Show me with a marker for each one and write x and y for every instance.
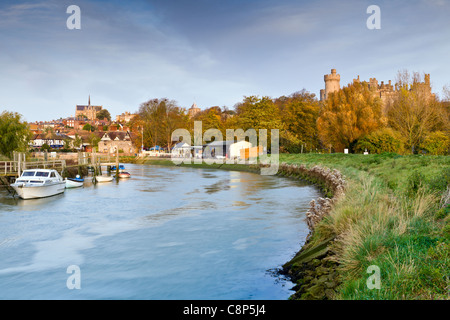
(211, 52)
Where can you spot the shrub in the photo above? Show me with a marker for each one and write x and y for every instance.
(379, 141)
(436, 143)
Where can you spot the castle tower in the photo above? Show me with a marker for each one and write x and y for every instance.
(332, 84)
(193, 110)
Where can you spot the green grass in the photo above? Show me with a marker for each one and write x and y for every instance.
(393, 217)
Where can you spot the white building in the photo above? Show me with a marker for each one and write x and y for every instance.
(225, 149)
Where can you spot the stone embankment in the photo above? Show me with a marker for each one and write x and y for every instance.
(315, 275)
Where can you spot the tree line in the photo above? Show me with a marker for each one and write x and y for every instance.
(411, 120)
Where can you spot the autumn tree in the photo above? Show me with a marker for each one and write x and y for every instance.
(414, 111)
(160, 118)
(299, 113)
(349, 114)
(257, 113)
(211, 118)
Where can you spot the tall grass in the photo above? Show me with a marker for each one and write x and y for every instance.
(399, 225)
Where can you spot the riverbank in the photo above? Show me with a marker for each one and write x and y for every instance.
(394, 216)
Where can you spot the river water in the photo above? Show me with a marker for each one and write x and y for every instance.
(165, 233)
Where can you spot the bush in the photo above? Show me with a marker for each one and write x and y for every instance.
(379, 141)
(436, 143)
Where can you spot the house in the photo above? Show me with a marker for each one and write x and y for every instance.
(113, 141)
(182, 150)
(227, 149)
(54, 140)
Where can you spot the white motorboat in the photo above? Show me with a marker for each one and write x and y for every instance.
(39, 183)
(74, 182)
(104, 178)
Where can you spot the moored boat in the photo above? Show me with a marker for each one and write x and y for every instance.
(121, 168)
(74, 182)
(124, 174)
(39, 183)
(104, 178)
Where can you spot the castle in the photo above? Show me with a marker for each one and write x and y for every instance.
(384, 91)
(193, 110)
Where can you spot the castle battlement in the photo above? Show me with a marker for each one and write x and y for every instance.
(333, 76)
(384, 91)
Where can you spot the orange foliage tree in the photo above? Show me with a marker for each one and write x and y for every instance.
(349, 114)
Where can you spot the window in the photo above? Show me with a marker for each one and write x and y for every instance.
(52, 175)
(28, 174)
(42, 174)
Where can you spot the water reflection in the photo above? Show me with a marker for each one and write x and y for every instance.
(210, 225)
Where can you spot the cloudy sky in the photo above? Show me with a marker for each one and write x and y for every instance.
(212, 52)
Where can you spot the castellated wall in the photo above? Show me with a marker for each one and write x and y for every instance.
(384, 91)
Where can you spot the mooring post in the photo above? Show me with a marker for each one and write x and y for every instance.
(117, 165)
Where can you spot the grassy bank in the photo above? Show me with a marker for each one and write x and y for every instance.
(394, 215)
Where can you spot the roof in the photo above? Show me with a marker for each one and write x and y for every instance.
(117, 135)
(228, 142)
(181, 145)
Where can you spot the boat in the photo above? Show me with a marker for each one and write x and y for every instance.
(39, 183)
(124, 174)
(74, 182)
(104, 178)
(121, 168)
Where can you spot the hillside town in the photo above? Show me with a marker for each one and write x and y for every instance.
(91, 126)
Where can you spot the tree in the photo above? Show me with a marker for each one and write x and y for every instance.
(67, 143)
(436, 143)
(381, 140)
(349, 114)
(160, 118)
(414, 111)
(88, 127)
(211, 118)
(103, 114)
(14, 133)
(77, 142)
(94, 140)
(257, 113)
(299, 113)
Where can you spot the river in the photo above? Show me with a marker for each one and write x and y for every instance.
(165, 233)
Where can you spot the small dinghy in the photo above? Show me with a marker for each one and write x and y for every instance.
(124, 174)
(104, 178)
(74, 182)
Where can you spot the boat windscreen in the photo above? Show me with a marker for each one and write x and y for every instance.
(28, 174)
(42, 174)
